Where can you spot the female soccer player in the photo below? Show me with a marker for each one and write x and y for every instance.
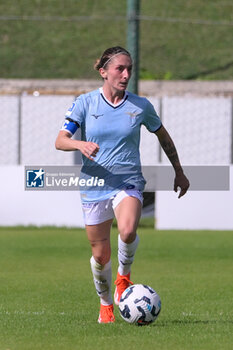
(110, 119)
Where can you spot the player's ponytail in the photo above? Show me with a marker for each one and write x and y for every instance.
(97, 64)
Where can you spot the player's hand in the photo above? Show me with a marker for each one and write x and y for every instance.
(182, 182)
(89, 149)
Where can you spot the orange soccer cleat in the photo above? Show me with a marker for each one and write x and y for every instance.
(106, 314)
(122, 283)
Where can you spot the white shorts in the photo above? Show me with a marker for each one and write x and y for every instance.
(97, 212)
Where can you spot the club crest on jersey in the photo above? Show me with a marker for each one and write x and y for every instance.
(133, 114)
(96, 116)
(133, 117)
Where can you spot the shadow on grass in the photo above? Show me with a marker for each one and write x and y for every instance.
(209, 71)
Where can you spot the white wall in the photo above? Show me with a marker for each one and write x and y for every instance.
(202, 131)
(211, 210)
(39, 208)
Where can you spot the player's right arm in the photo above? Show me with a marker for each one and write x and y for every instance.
(64, 142)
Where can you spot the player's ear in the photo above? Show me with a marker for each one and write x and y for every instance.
(103, 73)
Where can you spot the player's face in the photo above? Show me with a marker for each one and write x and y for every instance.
(118, 72)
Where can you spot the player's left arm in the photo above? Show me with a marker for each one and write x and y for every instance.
(169, 148)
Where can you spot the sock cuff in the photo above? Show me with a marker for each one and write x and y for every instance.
(129, 246)
(95, 265)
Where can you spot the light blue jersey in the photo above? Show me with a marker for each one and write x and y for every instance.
(116, 129)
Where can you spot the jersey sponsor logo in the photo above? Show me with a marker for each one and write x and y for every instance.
(96, 116)
(130, 187)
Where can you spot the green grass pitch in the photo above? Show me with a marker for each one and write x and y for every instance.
(48, 301)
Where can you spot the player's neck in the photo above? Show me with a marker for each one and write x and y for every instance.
(112, 95)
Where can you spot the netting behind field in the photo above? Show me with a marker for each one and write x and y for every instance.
(201, 128)
(29, 126)
(9, 127)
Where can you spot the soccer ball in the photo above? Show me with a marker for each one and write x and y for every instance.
(139, 304)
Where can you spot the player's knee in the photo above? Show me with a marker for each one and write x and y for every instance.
(101, 257)
(102, 260)
(127, 233)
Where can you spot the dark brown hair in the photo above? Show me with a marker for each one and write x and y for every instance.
(108, 54)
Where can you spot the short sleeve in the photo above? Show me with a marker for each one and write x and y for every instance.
(151, 119)
(76, 112)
